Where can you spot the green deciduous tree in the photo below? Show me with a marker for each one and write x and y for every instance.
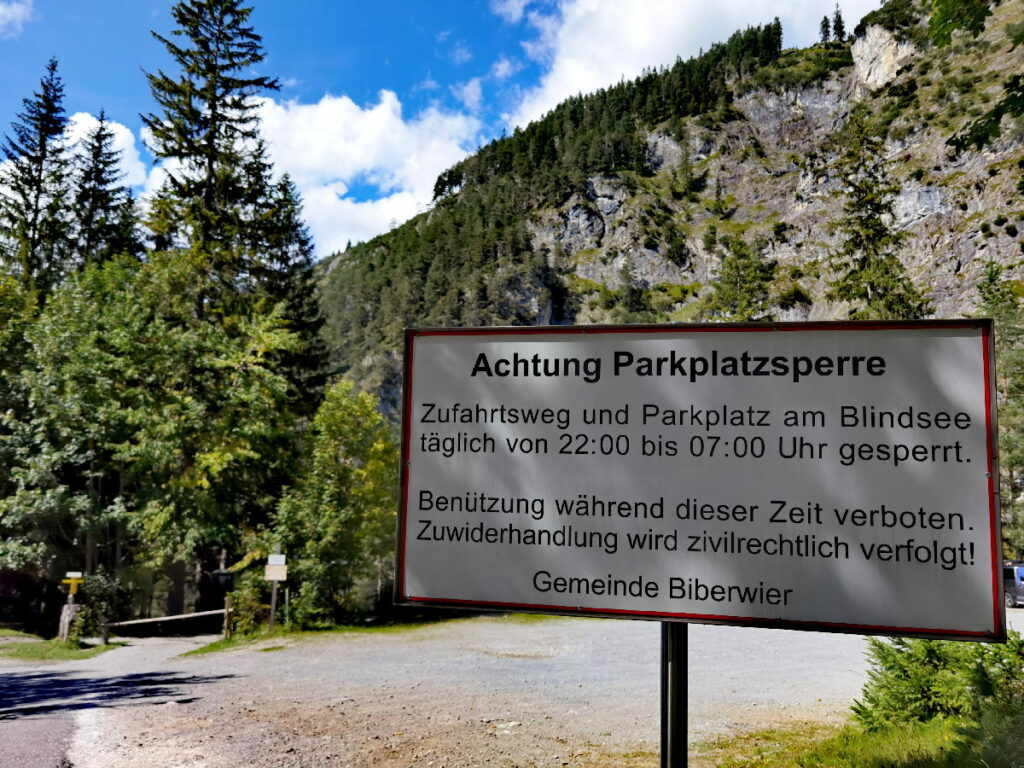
(17, 311)
(868, 272)
(948, 16)
(148, 425)
(336, 524)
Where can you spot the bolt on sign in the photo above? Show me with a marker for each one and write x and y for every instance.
(829, 476)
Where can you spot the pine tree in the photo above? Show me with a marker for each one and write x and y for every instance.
(282, 271)
(740, 291)
(34, 224)
(225, 202)
(825, 29)
(1005, 306)
(838, 27)
(207, 117)
(869, 274)
(104, 210)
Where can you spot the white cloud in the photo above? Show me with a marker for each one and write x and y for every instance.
(510, 10)
(470, 93)
(335, 144)
(428, 84)
(544, 46)
(14, 15)
(461, 53)
(590, 44)
(81, 124)
(504, 68)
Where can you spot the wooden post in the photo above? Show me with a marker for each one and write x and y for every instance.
(67, 618)
(228, 617)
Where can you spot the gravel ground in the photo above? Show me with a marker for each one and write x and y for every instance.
(483, 691)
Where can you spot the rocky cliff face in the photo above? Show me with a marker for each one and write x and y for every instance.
(766, 175)
(760, 169)
(878, 58)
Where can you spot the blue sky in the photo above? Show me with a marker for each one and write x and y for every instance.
(377, 98)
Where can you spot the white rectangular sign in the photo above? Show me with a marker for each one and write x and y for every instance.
(275, 572)
(836, 476)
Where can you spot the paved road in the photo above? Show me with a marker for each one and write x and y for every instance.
(39, 701)
(392, 698)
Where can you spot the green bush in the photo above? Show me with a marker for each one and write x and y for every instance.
(104, 600)
(919, 680)
(250, 614)
(678, 252)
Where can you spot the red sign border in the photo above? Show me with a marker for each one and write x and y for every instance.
(983, 325)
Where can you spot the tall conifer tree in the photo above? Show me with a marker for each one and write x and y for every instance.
(206, 121)
(34, 188)
(838, 26)
(221, 198)
(869, 273)
(243, 231)
(104, 209)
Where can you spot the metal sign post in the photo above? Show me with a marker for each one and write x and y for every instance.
(275, 571)
(674, 637)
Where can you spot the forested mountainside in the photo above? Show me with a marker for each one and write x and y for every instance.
(644, 201)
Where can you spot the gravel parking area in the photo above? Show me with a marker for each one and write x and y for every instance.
(497, 691)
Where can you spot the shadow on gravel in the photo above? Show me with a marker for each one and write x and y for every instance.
(39, 693)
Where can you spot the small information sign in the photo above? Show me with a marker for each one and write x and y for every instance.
(833, 476)
(273, 572)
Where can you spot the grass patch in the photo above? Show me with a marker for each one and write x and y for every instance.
(935, 744)
(537, 618)
(13, 633)
(52, 650)
(239, 642)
